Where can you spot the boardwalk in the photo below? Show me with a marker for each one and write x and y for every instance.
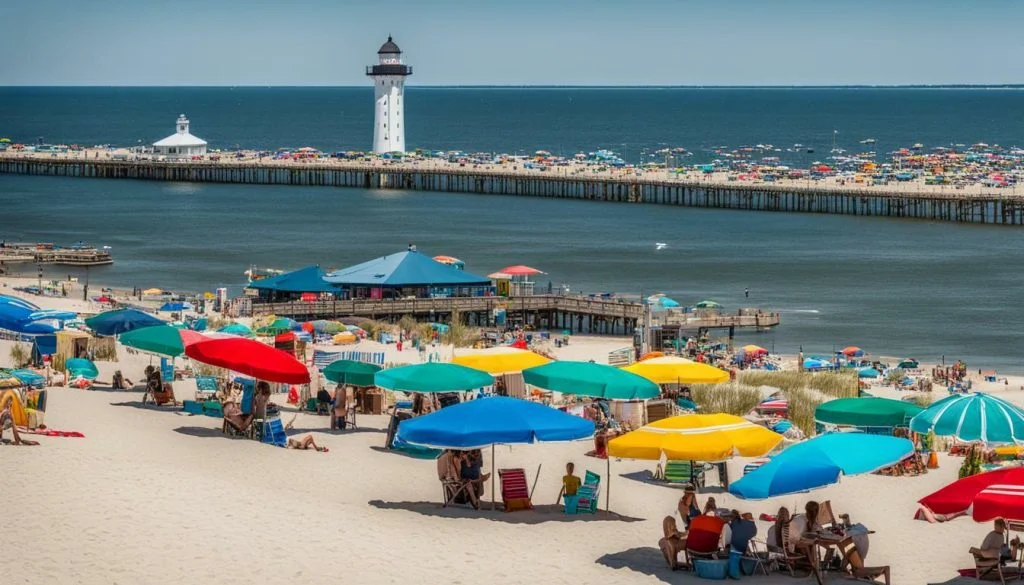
(912, 201)
(580, 314)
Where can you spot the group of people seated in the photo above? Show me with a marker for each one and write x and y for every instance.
(735, 531)
(461, 475)
(792, 538)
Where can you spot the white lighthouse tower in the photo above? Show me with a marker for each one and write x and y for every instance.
(389, 89)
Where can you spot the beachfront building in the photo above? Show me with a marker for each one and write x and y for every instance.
(407, 274)
(181, 144)
(304, 283)
(389, 94)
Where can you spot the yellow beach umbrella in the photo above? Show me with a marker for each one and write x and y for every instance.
(677, 370)
(153, 291)
(695, 437)
(501, 360)
(345, 337)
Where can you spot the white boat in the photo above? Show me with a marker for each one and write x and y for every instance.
(660, 245)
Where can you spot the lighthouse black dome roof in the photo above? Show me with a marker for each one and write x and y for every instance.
(389, 48)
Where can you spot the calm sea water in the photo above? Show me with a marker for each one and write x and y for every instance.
(893, 287)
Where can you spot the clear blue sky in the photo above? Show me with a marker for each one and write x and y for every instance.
(513, 42)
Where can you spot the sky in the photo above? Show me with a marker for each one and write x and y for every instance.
(517, 42)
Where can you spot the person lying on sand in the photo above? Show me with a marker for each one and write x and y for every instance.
(7, 420)
(304, 443)
(924, 513)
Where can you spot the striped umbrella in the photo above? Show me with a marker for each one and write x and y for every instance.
(972, 417)
(989, 495)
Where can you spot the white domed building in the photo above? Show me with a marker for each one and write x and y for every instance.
(181, 144)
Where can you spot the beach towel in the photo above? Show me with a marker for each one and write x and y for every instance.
(51, 433)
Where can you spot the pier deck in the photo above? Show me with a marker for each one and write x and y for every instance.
(580, 314)
(912, 201)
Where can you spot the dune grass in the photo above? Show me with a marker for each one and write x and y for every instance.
(730, 398)
(805, 391)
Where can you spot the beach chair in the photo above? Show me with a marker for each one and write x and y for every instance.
(587, 496)
(757, 553)
(454, 490)
(753, 465)
(853, 565)
(702, 538)
(794, 560)
(515, 492)
(682, 472)
(206, 387)
(671, 543)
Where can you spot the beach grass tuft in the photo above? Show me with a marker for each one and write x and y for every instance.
(20, 355)
(729, 398)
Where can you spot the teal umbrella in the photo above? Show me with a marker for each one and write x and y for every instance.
(351, 372)
(972, 417)
(433, 377)
(161, 340)
(280, 325)
(81, 367)
(708, 305)
(591, 379)
(236, 329)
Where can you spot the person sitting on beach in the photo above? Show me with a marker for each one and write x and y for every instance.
(471, 464)
(995, 547)
(570, 482)
(7, 421)
(120, 382)
(774, 538)
(742, 530)
(711, 508)
(803, 524)
(688, 508)
(449, 471)
(304, 443)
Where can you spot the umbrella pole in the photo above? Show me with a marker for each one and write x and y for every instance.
(493, 479)
(608, 492)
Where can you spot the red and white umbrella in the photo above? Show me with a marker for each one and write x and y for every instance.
(989, 495)
(999, 501)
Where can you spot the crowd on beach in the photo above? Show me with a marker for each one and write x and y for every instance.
(702, 533)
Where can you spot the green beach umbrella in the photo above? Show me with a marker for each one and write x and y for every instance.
(591, 379)
(866, 412)
(708, 305)
(351, 372)
(432, 377)
(236, 329)
(280, 325)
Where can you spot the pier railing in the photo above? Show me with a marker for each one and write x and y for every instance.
(987, 207)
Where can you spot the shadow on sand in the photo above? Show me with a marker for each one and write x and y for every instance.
(644, 559)
(149, 406)
(538, 515)
(647, 477)
(203, 432)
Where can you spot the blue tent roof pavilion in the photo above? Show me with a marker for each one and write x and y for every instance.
(404, 269)
(304, 280)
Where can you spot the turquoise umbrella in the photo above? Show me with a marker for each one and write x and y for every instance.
(820, 462)
(972, 417)
(433, 377)
(590, 379)
(236, 329)
(81, 367)
(161, 340)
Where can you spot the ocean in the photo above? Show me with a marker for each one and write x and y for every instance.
(894, 287)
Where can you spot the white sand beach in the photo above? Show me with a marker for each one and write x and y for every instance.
(152, 495)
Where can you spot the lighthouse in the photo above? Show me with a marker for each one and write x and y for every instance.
(389, 96)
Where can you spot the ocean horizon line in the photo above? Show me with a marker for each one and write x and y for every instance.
(968, 86)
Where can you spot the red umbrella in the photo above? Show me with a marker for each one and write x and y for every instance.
(308, 327)
(308, 297)
(251, 358)
(519, 270)
(993, 494)
(520, 344)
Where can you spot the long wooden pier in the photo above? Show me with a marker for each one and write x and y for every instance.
(987, 208)
(580, 314)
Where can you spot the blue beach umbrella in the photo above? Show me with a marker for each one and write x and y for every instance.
(121, 321)
(972, 417)
(820, 462)
(488, 421)
(28, 377)
(814, 364)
